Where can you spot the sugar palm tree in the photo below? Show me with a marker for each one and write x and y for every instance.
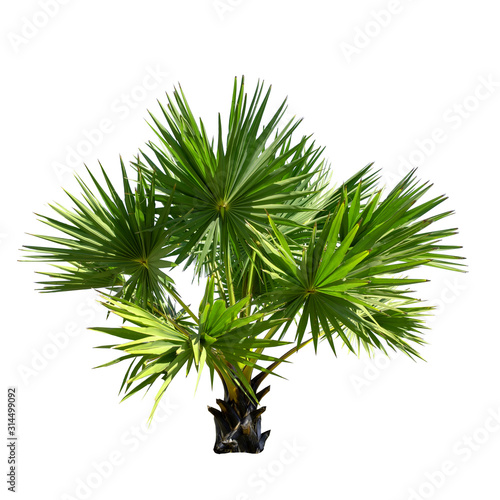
(254, 216)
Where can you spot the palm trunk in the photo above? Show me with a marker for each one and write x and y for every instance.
(238, 422)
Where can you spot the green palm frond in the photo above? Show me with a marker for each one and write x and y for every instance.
(343, 281)
(254, 169)
(159, 346)
(364, 180)
(121, 245)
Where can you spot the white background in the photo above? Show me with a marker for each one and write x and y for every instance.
(380, 430)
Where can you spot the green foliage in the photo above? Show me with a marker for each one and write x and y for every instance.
(342, 282)
(253, 213)
(116, 244)
(256, 170)
(160, 346)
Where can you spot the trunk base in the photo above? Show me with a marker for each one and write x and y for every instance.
(238, 424)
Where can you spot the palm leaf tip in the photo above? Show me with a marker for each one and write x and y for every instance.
(346, 281)
(111, 243)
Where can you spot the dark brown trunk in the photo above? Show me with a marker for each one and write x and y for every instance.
(238, 422)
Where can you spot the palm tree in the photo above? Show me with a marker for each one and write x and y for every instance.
(254, 215)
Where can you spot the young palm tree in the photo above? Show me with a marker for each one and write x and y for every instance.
(254, 214)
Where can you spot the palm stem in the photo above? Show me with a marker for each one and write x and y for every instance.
(171, 320)
(184, 306)
(220, 287)
(230, 287)
(247, 371)
(261, 376)
(230, 385)
(250, 282)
